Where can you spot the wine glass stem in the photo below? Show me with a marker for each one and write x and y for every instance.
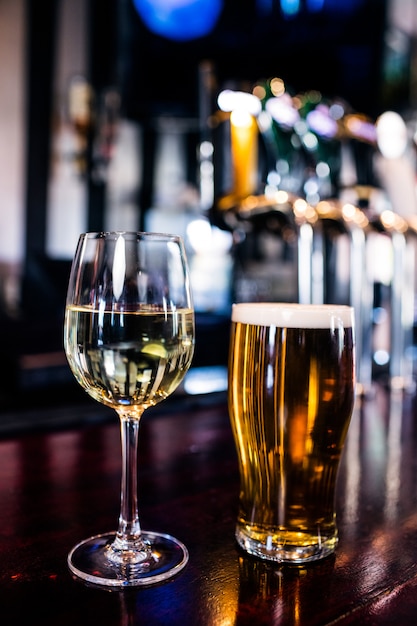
(128, 538)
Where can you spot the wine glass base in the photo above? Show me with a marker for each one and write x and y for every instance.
(89, 561)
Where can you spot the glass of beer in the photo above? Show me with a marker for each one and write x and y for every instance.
(291, 396)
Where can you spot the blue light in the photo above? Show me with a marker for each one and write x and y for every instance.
(290, 7)
(180, 20)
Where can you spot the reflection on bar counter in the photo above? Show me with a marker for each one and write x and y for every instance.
(324, 211)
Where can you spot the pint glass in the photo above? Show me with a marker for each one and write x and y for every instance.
(291, 395)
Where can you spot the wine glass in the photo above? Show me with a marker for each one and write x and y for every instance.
(129, 341)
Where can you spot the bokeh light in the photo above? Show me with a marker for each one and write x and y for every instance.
(179, 20)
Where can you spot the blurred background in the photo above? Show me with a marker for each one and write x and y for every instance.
(111, 117)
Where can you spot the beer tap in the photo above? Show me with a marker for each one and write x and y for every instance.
(339, 242)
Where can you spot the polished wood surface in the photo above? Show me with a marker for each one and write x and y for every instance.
(58, 486)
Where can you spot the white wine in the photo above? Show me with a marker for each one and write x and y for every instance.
(130, 359)
(129, 340)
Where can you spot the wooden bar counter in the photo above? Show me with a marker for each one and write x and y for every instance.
(59, 485)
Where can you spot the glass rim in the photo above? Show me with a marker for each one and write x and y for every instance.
(157, 236)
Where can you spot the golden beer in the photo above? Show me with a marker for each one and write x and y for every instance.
(291, 396)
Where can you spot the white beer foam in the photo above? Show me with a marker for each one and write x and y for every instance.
(288, 315)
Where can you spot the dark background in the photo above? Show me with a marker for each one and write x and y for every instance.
(341, 51)
(338, 50)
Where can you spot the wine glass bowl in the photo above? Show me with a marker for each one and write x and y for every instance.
(129, 341)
